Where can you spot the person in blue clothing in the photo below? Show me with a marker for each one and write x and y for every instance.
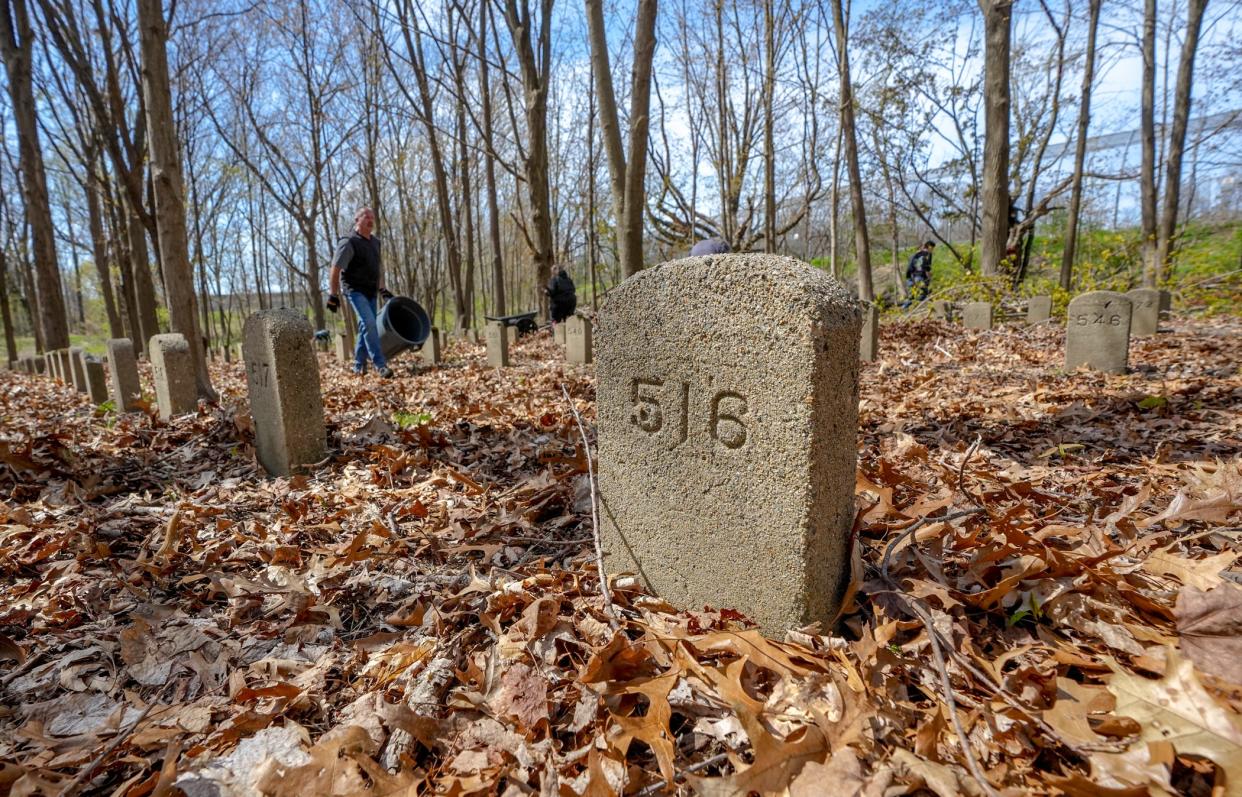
(356, 266)
(918, 274)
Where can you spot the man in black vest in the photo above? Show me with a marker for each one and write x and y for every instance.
(357, 265)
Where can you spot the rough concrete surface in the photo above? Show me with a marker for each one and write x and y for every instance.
(497, 345)
(430, 353)
(977, 315)
(1038, 309)
(172, 370)
(77, 368)
(869, 340)
(1097, 332)
(282, 379)
(123, 374)
(1145, 311)
(96, 381)
(727, 399)
(64, 372)
(578, 343)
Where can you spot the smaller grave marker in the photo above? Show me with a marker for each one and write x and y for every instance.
(1097, 332)
(869, 343)
(977, 315)
(578, 347)
(1038, 309)
(172, 369)
(940, 310)
(282, 379)
(96, 381)
(77, 362)
(63, 371)
(497, 345)
(1145, 312)
(123, 374)
(429, 354)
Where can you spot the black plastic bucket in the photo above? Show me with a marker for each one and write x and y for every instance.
(403, 324)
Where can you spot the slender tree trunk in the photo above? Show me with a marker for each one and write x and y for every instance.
(1147, 123)
(17, 48)
(1080, 150)
(1176, 148)
(169, 191)
(769, 146)
(628, 179)
(590, 197)
(489, 167)
(994, 236)
(862, 244)
(10, 336)
(99, 242)
(834, 262)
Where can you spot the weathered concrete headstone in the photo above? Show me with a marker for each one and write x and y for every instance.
(1038, 309)
(63, 371)
(25, 365)
(282, 378)
(558, 333)
(1166, 303)
(123, 374)
(172, 370)
(38, 364)
(96, 381)
(497, 345)
(578, 343)
(869, 342)
(344, 351)
(1145, 314)
(1097, 332)
(77, 362)
(940, 310)
(977, 315)
(727, 424)
(429, 354)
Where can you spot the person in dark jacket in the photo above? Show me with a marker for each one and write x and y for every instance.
(562, 296)
(356, 266)
(918, 274)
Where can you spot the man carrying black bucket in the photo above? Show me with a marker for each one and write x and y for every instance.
(357, 265)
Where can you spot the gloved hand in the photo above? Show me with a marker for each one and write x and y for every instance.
(385, 294)
(334, 303)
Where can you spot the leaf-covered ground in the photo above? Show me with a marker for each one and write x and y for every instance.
(1045, 597)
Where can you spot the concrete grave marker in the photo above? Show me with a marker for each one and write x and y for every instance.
(977, 315)
(497, 345)
(1145, 312)
(123, 374)
(1097, 332)
(558, 333)
(728, 416)
(344, 349)
(282, 378)
(869, 343)
(1038, 309)
(1166, 303)
(77, 362)
(96, 381)
(940, 310)
(172, 369)
(429, 354)
(63, 370)
(578, 348)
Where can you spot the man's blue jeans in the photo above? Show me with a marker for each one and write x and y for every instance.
(368, 330)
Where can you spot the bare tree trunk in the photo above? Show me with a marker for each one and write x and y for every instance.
(1176, 148)
(169, 192)
(99, 242)
(834, 263)
(489, 163)
(1080, 150)
(628, 179)
(769, 146)
(997, 16)
(1147, 123)
(862, 244)
(10, 338)
(17, 48)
